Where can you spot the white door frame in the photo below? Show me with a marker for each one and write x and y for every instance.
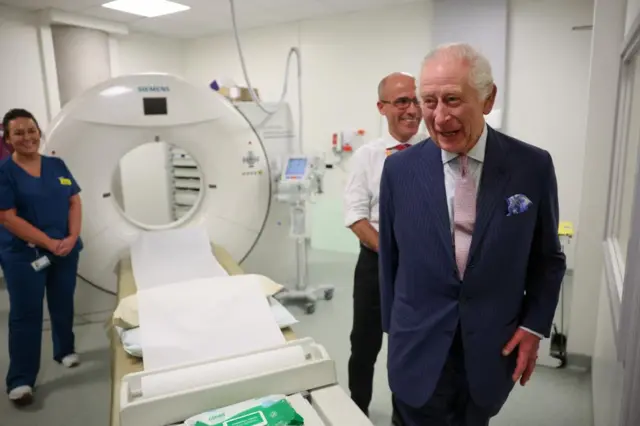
(629, 326)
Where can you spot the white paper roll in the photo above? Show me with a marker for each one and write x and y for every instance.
(166, 257)
(217, 372)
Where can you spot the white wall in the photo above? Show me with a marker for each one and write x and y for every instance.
(483, 23)
(21, 83)
(343, 59)
(341, 66)
(140, 53)
(342, 69)
(71, 47)
(547, 80)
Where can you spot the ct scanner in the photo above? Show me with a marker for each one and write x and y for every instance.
(92, 134)
(94, 131)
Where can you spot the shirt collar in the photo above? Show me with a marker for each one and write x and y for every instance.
(477, 152)
(392, 142)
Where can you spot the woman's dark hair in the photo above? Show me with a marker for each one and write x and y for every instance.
(17, 113)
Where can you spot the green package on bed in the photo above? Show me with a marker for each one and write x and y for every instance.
(273, 410)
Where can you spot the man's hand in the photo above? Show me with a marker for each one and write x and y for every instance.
(366, 233)
(66, 246)
(527, 344)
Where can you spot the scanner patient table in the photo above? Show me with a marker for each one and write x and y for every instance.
(121, 362)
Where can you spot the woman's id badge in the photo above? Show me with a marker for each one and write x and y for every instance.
(40, 264)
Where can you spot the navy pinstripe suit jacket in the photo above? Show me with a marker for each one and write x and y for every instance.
(513, 276)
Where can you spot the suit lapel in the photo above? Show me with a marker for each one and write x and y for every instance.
(431, 173)
(495, 176)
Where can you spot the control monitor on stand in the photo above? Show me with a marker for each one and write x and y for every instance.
(301, 177)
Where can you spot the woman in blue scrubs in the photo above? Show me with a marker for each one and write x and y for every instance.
(41, 210)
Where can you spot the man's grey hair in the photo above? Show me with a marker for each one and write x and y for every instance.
(481, 76)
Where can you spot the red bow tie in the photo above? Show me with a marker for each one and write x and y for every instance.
(401, 146)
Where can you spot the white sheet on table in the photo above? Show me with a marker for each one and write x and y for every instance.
(131, 338)
(163, 257)
(203, 319)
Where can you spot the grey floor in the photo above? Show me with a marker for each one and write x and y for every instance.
(81, 397)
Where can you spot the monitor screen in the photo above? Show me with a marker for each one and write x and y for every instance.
(155, 106)
(296, 167)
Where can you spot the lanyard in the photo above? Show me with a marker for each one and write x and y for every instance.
(33, 246)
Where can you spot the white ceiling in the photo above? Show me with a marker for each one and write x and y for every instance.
(208, 17)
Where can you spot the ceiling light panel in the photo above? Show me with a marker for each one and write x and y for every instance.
(147, 8)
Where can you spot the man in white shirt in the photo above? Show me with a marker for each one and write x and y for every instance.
(398, 102)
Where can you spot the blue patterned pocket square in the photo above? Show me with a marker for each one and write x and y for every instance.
(517, 204)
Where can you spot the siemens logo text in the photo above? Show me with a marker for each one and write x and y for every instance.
(146, 89)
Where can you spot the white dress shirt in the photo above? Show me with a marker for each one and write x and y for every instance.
(452, 171)
(362, 190)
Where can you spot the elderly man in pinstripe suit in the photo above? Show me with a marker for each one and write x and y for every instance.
(470, 261)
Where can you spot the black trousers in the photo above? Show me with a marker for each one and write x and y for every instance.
(366, 333)
(451, 403)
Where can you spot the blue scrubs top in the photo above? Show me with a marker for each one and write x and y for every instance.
(5, 236)
(42, 201)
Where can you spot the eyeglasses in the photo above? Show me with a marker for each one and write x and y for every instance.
(403, 102)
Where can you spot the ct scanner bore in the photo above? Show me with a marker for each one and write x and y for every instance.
(94, 131)
(167, 188)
